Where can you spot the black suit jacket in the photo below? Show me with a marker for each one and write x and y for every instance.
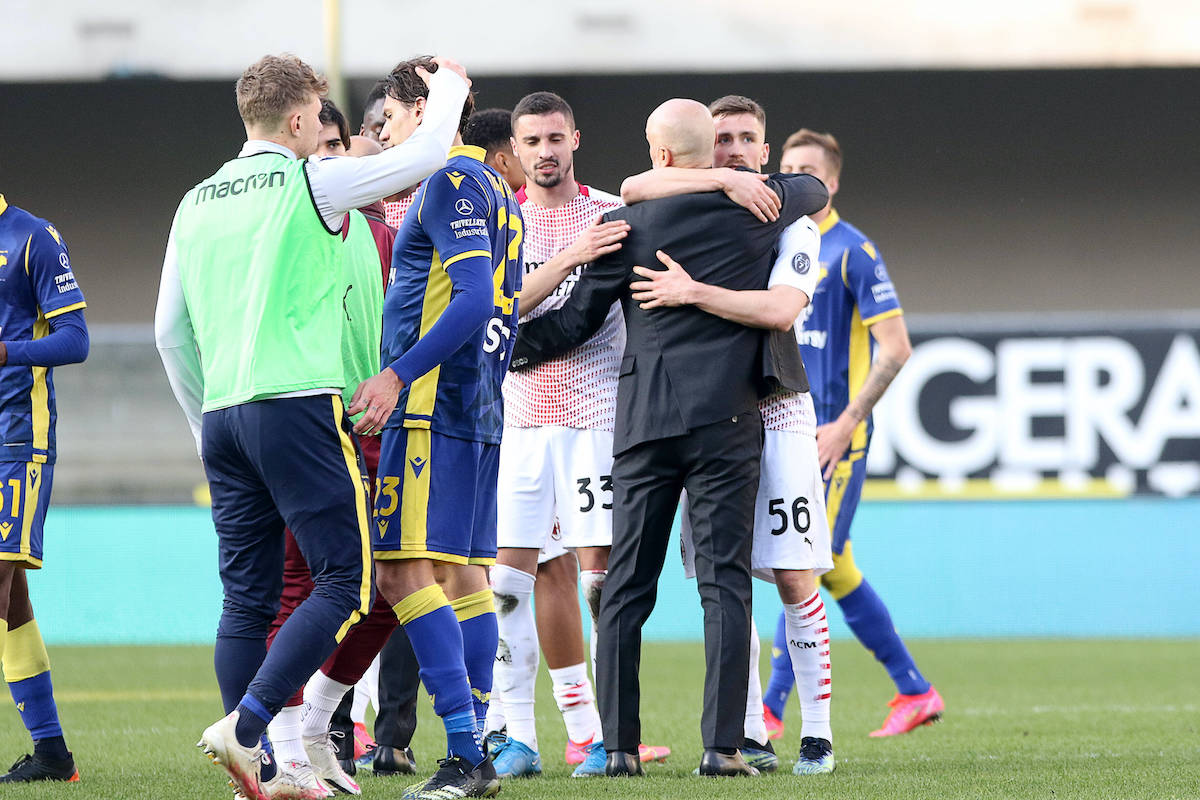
(682, 368)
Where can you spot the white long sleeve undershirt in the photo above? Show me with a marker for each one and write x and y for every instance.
(338, 185)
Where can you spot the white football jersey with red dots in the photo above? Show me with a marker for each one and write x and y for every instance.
(579, 389)
(394, 210)
(789, 411)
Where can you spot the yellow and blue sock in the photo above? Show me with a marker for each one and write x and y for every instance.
(868, 618)
(481, 637)
(779, 688)
(437, 642)
(27, 671)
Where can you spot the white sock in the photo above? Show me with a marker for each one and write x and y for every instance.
(517, 656)
(284, 732)
(592, 581)
(370, 682)
(808, 645)
(754, 727)
(577, 702)
(358, 707)
(322, 695)
(495, 720)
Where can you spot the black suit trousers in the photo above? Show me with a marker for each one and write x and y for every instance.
(718, 464)
(399, 684)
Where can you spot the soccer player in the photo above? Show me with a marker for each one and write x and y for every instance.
(372, 119)
(334, 139)
(491, 129)
(556, 455)
(791, 537)
(854, 342)
(249, 326)
(396, 667)
(450, 320)
(556, 589)
(41, 327)
(367, 243)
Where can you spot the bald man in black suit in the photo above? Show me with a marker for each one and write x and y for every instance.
(687, 418)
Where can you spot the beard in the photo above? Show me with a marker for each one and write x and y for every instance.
(552, 179)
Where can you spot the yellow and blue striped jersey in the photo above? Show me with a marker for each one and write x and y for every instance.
(37, 283)
(463, 229)
(854, 292)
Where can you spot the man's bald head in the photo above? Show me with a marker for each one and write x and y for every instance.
(681, 134)
(363, 146)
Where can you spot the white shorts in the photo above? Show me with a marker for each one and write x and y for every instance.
(790, 527)
(549, 474)
(553, 548)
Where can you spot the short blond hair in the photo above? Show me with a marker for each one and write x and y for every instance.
(825, 141)
(273, 86)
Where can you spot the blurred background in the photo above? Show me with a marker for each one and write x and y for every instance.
(1028, 170)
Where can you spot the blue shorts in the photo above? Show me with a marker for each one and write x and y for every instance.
(24, 498)
(842, 494)
(435, 497)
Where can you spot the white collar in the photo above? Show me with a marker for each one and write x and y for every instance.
(255, 146)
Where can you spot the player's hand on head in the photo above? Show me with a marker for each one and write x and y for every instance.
(598, 239)
(376, 399)
(749, 190)
(663, 288)
(441, 62)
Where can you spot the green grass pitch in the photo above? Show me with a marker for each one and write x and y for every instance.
(1024, 719)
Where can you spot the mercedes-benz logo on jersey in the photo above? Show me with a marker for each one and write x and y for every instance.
(464, 207)
(801, 263)
(881, 272)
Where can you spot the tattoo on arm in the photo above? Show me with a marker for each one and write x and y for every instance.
(882, 372)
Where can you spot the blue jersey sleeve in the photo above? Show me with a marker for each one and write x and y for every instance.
(50, 273)
(67, 343)
(867, 278)
(454, 213)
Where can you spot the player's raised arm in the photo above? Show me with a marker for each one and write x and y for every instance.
(176, 342)
(745, 188)
(341, 184)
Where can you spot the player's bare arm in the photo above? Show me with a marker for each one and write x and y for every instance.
(776, 308)
(833, 438)
(744, 188)
(599, 238)
(376, 397)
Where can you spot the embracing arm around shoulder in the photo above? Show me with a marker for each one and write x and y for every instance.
(598, 239)
(747, 189)
(775, 308)
(794, 277)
